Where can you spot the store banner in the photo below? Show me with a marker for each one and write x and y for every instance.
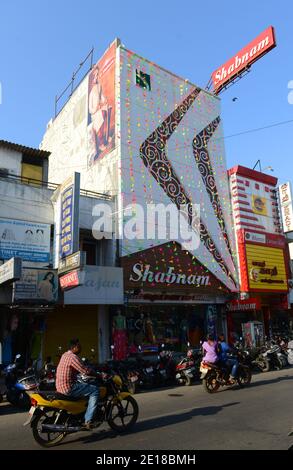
(101, 285)
(29, 241)
(36, 285)
(285, 194)
(11, 270)
(266, 268)
(248, 305)
(71, 279)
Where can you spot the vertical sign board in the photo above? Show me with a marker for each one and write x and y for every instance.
(69, 218)
(285, 192)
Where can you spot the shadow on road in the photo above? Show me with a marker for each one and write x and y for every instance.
(8, 409)
(154, 423)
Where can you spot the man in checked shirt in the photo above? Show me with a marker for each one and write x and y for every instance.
(68, 368)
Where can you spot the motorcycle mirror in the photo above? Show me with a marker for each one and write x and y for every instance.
(17, 356)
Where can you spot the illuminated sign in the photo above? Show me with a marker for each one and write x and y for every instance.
(69, 280)
(266, 268)
(244, 58)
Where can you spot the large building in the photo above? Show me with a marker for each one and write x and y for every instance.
(262, 252)
(145, 136)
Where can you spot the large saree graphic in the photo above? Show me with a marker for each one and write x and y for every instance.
(154, 156)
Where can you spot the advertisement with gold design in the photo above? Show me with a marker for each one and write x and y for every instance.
(266, 268)
(259, 205)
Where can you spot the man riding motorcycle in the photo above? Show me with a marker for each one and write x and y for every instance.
(223, 349)
(69, 367)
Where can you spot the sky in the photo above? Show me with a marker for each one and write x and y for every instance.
(42, 42)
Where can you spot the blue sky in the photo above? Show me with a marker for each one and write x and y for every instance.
(42, 42)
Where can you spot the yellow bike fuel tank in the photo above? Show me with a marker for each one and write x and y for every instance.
(74, 407)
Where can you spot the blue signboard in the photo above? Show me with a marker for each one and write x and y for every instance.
(29, 241)
(69, 220)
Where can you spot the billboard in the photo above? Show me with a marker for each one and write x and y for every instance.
(29, 241)
(285, 193)
(266, 268)
(38, 285)
(243, 59)
(101, 106)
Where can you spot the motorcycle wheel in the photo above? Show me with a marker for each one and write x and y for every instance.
(244, 376)
(263, 365)
(124, 414)
(210, 383)
(188, 381)
(47, 439)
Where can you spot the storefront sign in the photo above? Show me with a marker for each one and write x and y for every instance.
(74, 261)
(70, 280)
(145, 274)
(244, 305)
(36, 285)
(11, 270)
(69, 220)
(27, 240)
(266, 268)
(285, 193)
(101, 285)
(244, 58)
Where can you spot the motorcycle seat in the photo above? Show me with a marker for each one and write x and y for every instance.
(51, 396)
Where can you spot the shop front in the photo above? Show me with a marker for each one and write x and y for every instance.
(168, 300)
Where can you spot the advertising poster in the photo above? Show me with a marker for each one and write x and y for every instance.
(266, 268)
(39, 285)
(27, 240)
(69, 222)
(101, 106)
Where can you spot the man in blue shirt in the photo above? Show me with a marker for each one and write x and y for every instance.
(223, 352)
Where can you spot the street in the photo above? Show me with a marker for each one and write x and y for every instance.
(258, 417)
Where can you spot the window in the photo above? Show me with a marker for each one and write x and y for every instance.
(29, 173)
(143, 80)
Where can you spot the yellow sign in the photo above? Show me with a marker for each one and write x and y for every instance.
(266, 268)
(259, 205)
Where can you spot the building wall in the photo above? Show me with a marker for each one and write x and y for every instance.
(176, 116)
(11, 160)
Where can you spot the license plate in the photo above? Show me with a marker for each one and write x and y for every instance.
(133, 379)
(32, 410)
(149, 369)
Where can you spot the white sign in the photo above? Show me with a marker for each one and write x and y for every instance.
(37, 285)
(11, 270)
(255, 237)
(101, 285)
(29, 241)
(285, 193)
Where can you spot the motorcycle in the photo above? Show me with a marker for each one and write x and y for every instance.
(215, 376)
(18, 382)
(53, 416)
(187, 369)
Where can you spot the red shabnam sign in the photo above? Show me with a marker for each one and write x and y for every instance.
(244, 58)
(69, 280)
(243, 305)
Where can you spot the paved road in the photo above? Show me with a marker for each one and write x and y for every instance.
(258, 417)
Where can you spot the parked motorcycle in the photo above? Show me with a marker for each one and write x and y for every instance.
(52, 415)
(215, 376)
(187, 369)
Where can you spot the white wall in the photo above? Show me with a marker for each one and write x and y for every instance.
(11, 160)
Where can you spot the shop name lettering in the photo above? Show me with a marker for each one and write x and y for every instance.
(239, 307)
(146, 275)
(97, 285)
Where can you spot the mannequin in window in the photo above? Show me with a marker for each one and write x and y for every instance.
(140, 330)
(119, 336)
(149, 330)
